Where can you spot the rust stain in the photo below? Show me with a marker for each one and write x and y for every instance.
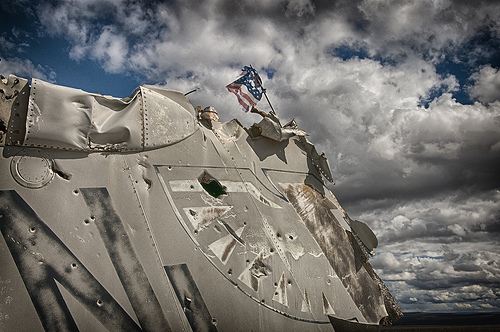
(228, 250)
(223, 247)
(314, 210)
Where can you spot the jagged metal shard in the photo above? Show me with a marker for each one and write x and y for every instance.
(139, 214)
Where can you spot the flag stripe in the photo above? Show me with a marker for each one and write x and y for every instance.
(246, 88)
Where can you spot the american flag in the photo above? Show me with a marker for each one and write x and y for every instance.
(247, 88)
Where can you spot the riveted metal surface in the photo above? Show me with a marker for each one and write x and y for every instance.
(14, 95)
(165, 121)
(32, 168)
(208, 230)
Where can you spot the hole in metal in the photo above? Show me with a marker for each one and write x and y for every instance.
(211, 185)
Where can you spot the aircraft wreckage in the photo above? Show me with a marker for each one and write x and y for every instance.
(143, 213)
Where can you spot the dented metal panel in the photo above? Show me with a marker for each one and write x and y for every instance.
(58, 117)
(138, 216)
(71, 119)
(165, 121)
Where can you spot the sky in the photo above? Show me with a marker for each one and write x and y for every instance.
(402, 96)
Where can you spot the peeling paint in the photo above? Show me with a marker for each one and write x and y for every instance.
(255, 272)
(306, 303)
(280, 294)
(202, 217)
(241, 187)
(230, 230)
(292, 246)
(185, 185)
(315, 211)
(224, 247)
(327, 308)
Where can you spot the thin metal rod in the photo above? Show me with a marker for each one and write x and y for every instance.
(191, 91)
(265, 94)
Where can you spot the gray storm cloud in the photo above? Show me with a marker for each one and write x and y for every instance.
(361, 77)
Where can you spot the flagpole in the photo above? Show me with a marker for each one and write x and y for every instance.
(265, 94)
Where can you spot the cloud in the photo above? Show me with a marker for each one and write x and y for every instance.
(486, 86)
(427, 281)
(25, 68)
(364, 79)
(262, 30)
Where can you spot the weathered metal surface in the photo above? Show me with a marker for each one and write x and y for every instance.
(365, 234)
(314, 209)
(42, 259)
(14, 94)
(353, 325)
(165, 121)
(191, 299)
(32, 168)
(71, 119)
(198, 228)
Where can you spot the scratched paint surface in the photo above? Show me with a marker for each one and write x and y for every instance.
(125, 261)
(42, 259)
(315, 212)
(191, 299)
(252, 248)
(251, 217)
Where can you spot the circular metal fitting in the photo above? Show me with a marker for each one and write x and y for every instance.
(32, 168)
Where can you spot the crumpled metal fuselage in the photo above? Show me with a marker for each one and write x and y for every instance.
(131, 214)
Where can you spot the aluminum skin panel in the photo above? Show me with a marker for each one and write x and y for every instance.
(209, 229)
